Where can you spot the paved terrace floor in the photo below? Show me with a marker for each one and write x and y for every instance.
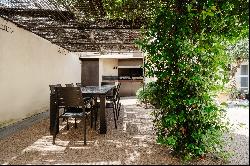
(132, 143)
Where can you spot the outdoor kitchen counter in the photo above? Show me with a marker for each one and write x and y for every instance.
(129, 87)
(141, 80)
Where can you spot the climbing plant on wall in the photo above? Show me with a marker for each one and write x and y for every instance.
(111, 9)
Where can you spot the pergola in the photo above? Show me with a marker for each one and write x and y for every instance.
(58, 24)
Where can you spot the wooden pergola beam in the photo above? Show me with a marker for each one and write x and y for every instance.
(35, 12)
(89, 43)
(83, 28)
(61, 27)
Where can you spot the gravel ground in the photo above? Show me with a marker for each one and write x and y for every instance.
(238, 115)
(133, 143)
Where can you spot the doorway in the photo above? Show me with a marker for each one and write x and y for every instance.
(90, 71)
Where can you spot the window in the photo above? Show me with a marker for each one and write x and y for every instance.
(244, 70)
(244, 84)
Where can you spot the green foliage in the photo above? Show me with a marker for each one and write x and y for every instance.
(111, 9)
(186, 45)
(141, 94)
(150, 94)
(239, 50)
(129, 9)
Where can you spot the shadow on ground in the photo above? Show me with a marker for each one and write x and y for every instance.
(132, 143)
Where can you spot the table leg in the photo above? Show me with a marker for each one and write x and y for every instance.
(103, 125)
(53, 113)
(96, 111)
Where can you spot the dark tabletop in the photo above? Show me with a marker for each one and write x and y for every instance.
(97, 89)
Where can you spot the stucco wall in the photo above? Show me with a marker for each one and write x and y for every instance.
(28, 65)
(106, 68)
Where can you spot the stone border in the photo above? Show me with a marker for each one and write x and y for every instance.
(20, 125)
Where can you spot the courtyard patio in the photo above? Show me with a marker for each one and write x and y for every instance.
(133, 142)
(63, 59)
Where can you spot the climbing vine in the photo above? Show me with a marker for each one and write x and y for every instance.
(186, 45)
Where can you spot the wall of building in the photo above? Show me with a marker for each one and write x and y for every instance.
(106, 68)
(28, 65)
(130, 62)
(238, 75)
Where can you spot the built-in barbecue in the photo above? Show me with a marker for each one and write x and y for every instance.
(126, 71)
(124, 78)
(130, 73)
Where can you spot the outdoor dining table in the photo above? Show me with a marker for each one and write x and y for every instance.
(101, 92)
(87, 91)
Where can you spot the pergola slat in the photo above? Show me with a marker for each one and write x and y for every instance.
(61, 27)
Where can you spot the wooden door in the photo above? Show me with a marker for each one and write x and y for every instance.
(90, 72)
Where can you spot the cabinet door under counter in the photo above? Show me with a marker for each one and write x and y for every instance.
(129, 87)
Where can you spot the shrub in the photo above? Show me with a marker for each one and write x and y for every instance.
(149, 94)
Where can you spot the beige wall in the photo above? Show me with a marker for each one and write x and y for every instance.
(28, 64)
(108, 65)
(106, 68)
(130, 62)
(100, 71)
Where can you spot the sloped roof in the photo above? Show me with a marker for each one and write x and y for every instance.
(59, 25)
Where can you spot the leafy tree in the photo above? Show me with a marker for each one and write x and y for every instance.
(186, 45)
(110, 9)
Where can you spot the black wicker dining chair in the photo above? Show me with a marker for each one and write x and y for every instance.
(118, 103)
(114, 96)
(111, 102)
(110, 94)
(108, 83)
(69, 85)
(52, 88)
(69, 108)
(72, 97)
(52, 106)
(79, 84)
